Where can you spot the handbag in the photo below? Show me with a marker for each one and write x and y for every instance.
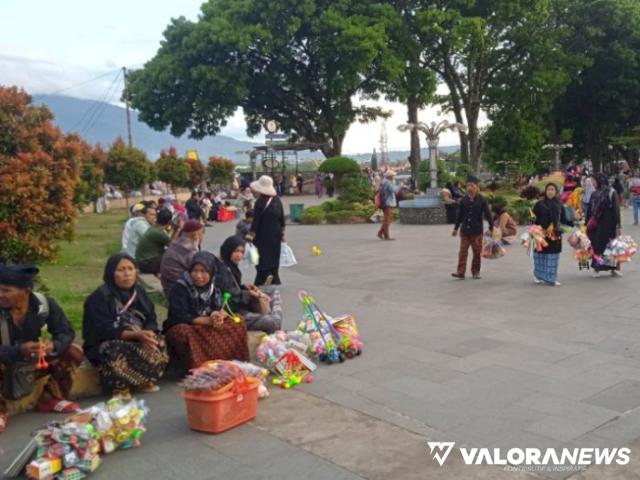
(261, 305)
(19, 377)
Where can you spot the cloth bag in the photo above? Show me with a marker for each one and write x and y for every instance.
(287, 258)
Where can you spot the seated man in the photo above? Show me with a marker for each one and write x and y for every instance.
(177, 258)
(138, 228)
(153, 244)
(23, 315)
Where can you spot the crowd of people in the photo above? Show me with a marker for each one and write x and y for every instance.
(210, 307)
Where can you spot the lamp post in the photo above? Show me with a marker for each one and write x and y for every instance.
(557, 147)
(432, 133)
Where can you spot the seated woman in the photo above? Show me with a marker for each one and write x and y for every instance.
(502, 220)
(23, 314)
(248, 300)
(121, 333)
(198, 330)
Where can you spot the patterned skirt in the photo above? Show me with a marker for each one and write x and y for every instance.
(197, 344)
(545, 266)
(125, 364)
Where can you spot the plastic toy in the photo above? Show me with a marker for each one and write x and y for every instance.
(42, 363)
(292, 369)
(316, 251)
(330, 339)
(533, 239)
(350, 344)
(493, 245)
(226, 297)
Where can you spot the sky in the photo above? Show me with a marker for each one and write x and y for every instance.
(48, 46)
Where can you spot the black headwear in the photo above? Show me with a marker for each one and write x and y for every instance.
(554, 206)
(473, 179)
(109, 276)
(207, 260)
(226, 250)
(206, 298)
(20, 276)
(602, 181)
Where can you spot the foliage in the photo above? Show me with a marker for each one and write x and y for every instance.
(196, 172)
(356, 188)
(339, 166)
(497, 200)
(463, 171)
(90, 186)
(298, 63)
(424, 175)
(220, 170)
(127, 167)
(520, 210)
(172, 169)
(39, 172)
(313, 216)
(531, 192)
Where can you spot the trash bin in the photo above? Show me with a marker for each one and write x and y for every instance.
(295, 211)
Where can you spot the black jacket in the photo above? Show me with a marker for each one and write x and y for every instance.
(471, 213)
(548, 213)
(29, 331)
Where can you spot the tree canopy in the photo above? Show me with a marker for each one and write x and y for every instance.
(127, 167)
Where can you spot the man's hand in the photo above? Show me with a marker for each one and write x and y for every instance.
(30, 349)
(454, 233)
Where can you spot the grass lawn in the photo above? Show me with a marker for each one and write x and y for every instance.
(80, 266)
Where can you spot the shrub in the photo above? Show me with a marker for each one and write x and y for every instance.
(497, 200)
(520, 210)
(530, 192)
(172, 169)
(463, 170)
(196, 172)
(339, 166)
(220, 171)
(313, 216)
(355, 188)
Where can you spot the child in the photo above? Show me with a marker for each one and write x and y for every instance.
(244, 226)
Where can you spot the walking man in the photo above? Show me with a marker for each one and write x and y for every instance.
(473, 207)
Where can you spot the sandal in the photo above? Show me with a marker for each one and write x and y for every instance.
(121, 393)
(149, 388)
(56, 405)
(4, 418)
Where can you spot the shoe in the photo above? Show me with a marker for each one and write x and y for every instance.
(595, 274)
(121, 393)
(557, 284)
(58, 405)
(535, 279)
(617, 273)
(477, 277)
(149, 388)
(458, 276)
(380, 236)
(269, 280)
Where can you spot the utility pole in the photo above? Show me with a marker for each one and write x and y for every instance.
(126, 102)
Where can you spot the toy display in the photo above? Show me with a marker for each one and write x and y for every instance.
(493, 245)
(292, 369)
(212, 376)
(534, 239)
(582, 248)
(350, 344)
(71, 450)
(619, 250)
(330, 337)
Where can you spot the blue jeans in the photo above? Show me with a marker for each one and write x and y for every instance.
(636, 206)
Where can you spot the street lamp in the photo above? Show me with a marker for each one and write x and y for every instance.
(557, 147)
(432, 133)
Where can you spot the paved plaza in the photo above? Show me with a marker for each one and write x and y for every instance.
(499, 362)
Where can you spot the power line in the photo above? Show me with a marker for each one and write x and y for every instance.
(83, 83)
(101, 109)
(90, 112)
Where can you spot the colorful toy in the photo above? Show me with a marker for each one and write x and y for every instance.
(226, 298)
(350, 344)
(42, 363)
(582, 248)
(619, 250)
(330, 339)
(493, 244)
(292, 368)
(534, 239)
(211, 376)
(316, 251)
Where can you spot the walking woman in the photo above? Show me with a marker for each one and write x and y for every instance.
(603, 223)
(120, 331)
(267, 230)
(549, 214)
(198, 329)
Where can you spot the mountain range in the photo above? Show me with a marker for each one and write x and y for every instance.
(100, 122)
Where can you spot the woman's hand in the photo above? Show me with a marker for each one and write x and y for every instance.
(254, 291)
(217, 318)
(147, 339)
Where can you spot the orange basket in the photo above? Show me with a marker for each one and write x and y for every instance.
(225, 215)
(225, 408)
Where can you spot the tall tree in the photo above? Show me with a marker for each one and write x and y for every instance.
(39, 171)
(196, 172)
(298, 63)
(127, 168)
(90, 186)
(172, 169)
(220, 171)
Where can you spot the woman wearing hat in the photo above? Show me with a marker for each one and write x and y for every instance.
(198, 329)
(120, 330)
(267, 230)
(23, 315)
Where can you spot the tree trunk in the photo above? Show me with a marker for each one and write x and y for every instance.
(336, 149)
(414, 156)
(456, 104)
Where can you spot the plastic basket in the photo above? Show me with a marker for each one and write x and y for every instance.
(228, 407)
(225, 215)
(295, 211)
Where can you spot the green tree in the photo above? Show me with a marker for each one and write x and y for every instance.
(339, 166)
(220, 171)
(173, 170)
(127, 168)
(90, 186)
(196, 172)
(298, 63)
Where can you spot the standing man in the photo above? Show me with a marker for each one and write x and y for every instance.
(473, 207)
(194, 211)
(388, 202)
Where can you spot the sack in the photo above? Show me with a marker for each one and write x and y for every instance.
(19, 380)
(260, 305)
(287, 258)
(378, 200)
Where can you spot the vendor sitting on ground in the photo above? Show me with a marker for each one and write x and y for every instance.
(153, 244)
(502, 220)
(23, 314)
(176, 259)
(198, 329)
(261, 308)
(244, 226)
(121, 333)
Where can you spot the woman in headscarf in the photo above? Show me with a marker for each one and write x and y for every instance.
(261, 308)
(549, 214)
(603, 224)
(120, 331)
(267, 230)
(198, 329)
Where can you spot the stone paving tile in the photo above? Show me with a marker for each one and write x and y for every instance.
(622, 397)
(559, 428)
(590, 415)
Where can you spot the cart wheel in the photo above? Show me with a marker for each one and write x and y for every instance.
(349, 355)
(341, 358)
(358, 352)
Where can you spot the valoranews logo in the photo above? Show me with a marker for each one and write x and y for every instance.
(530, 458)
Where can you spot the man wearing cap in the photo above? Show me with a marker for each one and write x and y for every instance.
(388, 202)
(177, 257)
(135, 211)
(138, 228)
(23, 315)
(473, 207)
